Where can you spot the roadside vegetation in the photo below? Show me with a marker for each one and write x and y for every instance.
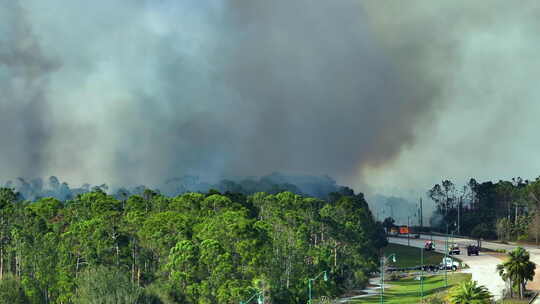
(517, 270)
(508, 210)
(408, 290)
(409, 256)
(192, 248)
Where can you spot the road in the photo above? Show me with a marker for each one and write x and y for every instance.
(534, 252)
(482, 267)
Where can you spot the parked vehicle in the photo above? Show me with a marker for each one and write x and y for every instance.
(454, 249)
(429, 246)
(473, 249)
(449, 264)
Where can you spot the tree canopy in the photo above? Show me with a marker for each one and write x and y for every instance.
(190, 248)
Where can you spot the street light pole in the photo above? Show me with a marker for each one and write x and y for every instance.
(310, 282)
(393, 255)
(260, 298)
(422, 275)
(445, 262)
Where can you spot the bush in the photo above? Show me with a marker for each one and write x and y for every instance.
(437, 298)
(394, 276)
(483, 231)
(11, 291)
(103, 285)
(523, 237)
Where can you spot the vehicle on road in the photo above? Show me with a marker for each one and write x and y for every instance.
(449, 264)
(429, 246)
(473, 249)
(454, 249)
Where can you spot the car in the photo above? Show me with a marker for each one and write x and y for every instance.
(473, 249)
(429, 246)
(454, 249)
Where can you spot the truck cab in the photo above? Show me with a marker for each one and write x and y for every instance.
(473, 249)
(449, 264)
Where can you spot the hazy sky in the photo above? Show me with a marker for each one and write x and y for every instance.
(382, 95)
(485, 58)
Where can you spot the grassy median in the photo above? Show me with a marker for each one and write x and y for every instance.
(410, 256)
(407, 290)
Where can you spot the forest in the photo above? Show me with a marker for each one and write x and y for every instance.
(507, 210)
(211, 247)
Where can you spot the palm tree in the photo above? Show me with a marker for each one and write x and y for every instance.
(517, 270)
(469, 292)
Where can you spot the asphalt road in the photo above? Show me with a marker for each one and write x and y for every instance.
(534, 252)
(482, 267)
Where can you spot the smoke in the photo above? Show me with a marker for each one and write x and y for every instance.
(320, 187)
(131, 92)
(369, 92)
(24, 72)
(485, 62)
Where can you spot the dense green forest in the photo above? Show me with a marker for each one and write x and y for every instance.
(507, 209)
(190, 248)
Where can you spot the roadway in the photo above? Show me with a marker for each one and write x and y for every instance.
(482, 267)
(534, 252)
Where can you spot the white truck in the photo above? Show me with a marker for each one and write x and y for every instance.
(449, 264)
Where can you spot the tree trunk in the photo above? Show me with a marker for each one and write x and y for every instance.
(1, 262)
(511, 289)
(335, 256)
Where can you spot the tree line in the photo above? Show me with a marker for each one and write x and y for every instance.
(507, 209)
(191, 248)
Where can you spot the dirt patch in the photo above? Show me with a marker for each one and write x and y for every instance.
(535, 284)
(499, 255)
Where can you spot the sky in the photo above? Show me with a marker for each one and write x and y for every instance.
(388, 97)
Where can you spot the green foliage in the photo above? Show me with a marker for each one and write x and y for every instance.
(518, 269)
(505, 209)
(469, 292)
(103, 285)
(11, 291)
(483, 231)
(193, 248)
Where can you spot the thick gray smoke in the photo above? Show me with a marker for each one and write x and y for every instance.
(128, 92)
(140, 91)
(484, 60)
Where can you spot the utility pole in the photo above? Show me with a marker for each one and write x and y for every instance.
(421, 216)
(408, 231)
(459, 215)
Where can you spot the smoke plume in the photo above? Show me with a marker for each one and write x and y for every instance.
(140, 91)
(129, 92)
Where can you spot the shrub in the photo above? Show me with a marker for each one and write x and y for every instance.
(483, 231)
(11, 291)
(103, 285)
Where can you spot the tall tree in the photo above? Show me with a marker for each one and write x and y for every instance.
(518, 269)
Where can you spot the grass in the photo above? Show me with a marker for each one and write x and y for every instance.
(407, 291)
(410, 256)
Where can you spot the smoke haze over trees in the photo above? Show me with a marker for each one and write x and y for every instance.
(130, 92)
(319, 187)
